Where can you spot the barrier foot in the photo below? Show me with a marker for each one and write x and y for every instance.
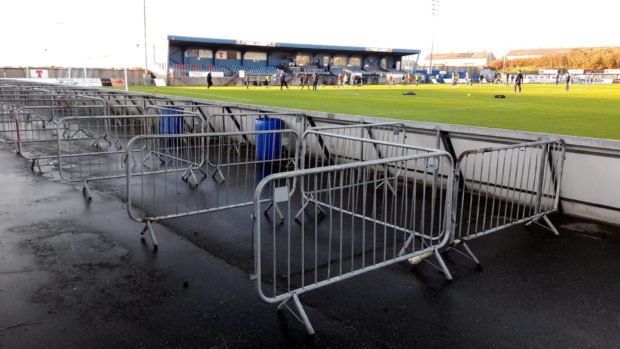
(86, 191)
(471, 253)
(424, 258)
(149, 227)
(300, 315)
(189, 173)
(549, 225)
(35, 162)
(442, 264)
(278, 211)
(307, 201)
(219, 174)
(387, 184)
(301, 211)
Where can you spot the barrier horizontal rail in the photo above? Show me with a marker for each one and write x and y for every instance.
(364, 224)
(242, 159)
(93, 148)
(33, 128)
(357, 142)
(244, 121)
(507, 185)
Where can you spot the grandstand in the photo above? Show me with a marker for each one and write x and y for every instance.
(194, 57)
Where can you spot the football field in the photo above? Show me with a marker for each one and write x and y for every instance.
(586, 110)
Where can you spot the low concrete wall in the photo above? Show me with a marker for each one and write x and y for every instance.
(134, 76)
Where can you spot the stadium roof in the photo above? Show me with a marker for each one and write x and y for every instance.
(288, 46)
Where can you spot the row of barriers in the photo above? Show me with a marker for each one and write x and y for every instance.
(327, 202)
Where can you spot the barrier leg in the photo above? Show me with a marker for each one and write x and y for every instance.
(549, 225)
(278, 211)
(35, 162)
(219, 174)
(303, 208)
(149, 227)
(190, 173)
(470, 253)
(443, 266)
(86, 191)
(300, 315)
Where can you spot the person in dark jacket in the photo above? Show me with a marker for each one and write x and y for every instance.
(315, 81)
(209, 80)
(283, 81)
(518, 81)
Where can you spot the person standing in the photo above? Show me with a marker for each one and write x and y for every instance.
(518, 81)
(209, 80)
(568, 77)
(315, 81)
(266, 81)
(283, 80)
(247, 82)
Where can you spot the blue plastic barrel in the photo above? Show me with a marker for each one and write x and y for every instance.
(268, 145)
(171, 123)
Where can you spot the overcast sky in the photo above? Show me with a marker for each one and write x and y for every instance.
(108, 33)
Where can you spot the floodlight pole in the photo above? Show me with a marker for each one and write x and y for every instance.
(146, 64)
(126, 83)
(430, 66)
(434, 13)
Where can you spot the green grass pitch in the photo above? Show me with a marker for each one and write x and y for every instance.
(586, 110)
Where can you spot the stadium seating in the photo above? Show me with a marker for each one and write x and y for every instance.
(234, 70)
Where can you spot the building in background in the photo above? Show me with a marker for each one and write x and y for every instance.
(459, 60)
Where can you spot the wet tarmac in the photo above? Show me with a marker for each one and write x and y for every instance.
(76, 275)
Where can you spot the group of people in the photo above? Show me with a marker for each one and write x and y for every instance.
(304, 80)
(265, 81)
(409, 78)
(344, 79)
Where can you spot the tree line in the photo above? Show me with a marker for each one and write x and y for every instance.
(582, 58)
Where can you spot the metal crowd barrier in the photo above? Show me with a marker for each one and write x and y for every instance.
(363, 225)
(507, 185)
(34, 128)
(361, 199)
(241, 158)
(94, 148)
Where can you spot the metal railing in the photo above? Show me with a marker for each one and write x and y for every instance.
(241, 160)
(94, 148)
(507, 185)
(33, 129)
(363, 225)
